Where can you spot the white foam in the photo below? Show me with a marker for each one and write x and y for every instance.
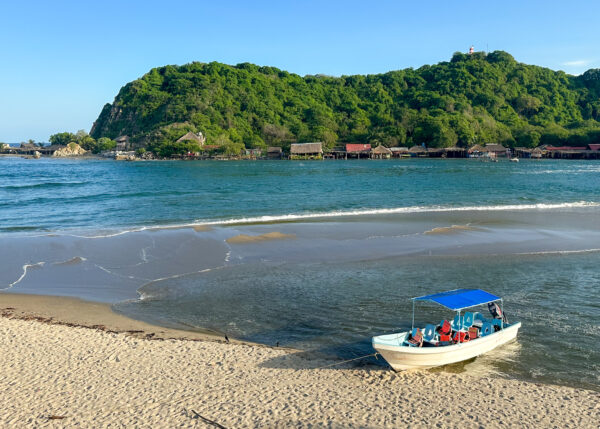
(560, 252)
(349, 213)
(25, 268)
(397, 210)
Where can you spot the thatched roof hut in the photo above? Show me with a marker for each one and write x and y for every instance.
(381, 150)
(476, 148)
(28, 146)
(455, 149)
(417, 149)
(494, 147)
(306, 148)
(190, 136)
(400, 149)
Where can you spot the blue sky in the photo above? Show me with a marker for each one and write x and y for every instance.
(61, 61)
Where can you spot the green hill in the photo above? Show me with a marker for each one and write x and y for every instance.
(471, 99)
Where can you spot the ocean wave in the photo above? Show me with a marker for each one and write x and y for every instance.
(396, 210)
(560, 252)
(43, 185)
(200, 225)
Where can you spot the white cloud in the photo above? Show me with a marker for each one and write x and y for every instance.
(577, 63)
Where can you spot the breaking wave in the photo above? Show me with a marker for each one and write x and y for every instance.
(201, 225)
(396, 210)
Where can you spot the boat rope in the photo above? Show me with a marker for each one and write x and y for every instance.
(346, 361)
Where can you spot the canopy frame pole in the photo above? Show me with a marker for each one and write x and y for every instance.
(459, 326)
(502, 311)
(413, 317)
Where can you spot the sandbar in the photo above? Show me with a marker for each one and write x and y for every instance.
(244, 238)
(451, 229)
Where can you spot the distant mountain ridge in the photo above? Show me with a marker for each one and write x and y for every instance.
(477, 98)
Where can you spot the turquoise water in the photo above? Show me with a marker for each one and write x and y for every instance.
(52, 194)
(361, 238)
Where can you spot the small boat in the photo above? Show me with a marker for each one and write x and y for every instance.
(467, 336)
(515, 159)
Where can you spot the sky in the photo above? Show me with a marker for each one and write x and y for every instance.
(61, 61)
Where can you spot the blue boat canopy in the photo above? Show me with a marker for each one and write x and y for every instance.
(460, 298)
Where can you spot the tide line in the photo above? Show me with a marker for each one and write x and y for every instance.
(25, 268)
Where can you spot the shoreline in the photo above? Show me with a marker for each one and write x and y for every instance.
(61, 369)
(133, 158)
(75, 312)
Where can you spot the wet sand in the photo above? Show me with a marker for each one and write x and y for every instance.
(73, 312)
(245, 238)
(54, 375)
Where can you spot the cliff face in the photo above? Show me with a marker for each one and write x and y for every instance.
(113, 123)
(477, 98)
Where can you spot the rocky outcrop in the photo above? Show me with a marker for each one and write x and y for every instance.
(72, 149)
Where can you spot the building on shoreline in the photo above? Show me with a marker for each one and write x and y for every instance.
(122, 143)
(418, 151)
(306, 150)
(358, 150)
(274, 152)
(400, 152)
(496, 150)
(381, 152)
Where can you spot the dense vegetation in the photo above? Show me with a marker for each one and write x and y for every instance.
(84, 140)
(478, 98)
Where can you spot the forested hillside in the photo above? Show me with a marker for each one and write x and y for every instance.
(471, 99)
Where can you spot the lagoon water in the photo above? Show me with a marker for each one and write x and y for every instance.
(167, 242)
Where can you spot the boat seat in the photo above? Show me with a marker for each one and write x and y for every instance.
(445, 328)
(473, 332)
(461, 337)
(445, 339)
(457, 323)
(478, 319)
(429, 333)
(497, 324)
(416, 338)
(486, 329)
(467, 320)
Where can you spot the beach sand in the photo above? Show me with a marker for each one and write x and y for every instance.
(54, 375)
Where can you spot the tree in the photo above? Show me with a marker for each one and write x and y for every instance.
(62, 138)
(104, 144)
(87, 142)
(472, 98)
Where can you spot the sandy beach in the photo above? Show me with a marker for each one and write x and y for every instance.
(58, 374)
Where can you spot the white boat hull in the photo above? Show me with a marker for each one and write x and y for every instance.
(402, 357)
